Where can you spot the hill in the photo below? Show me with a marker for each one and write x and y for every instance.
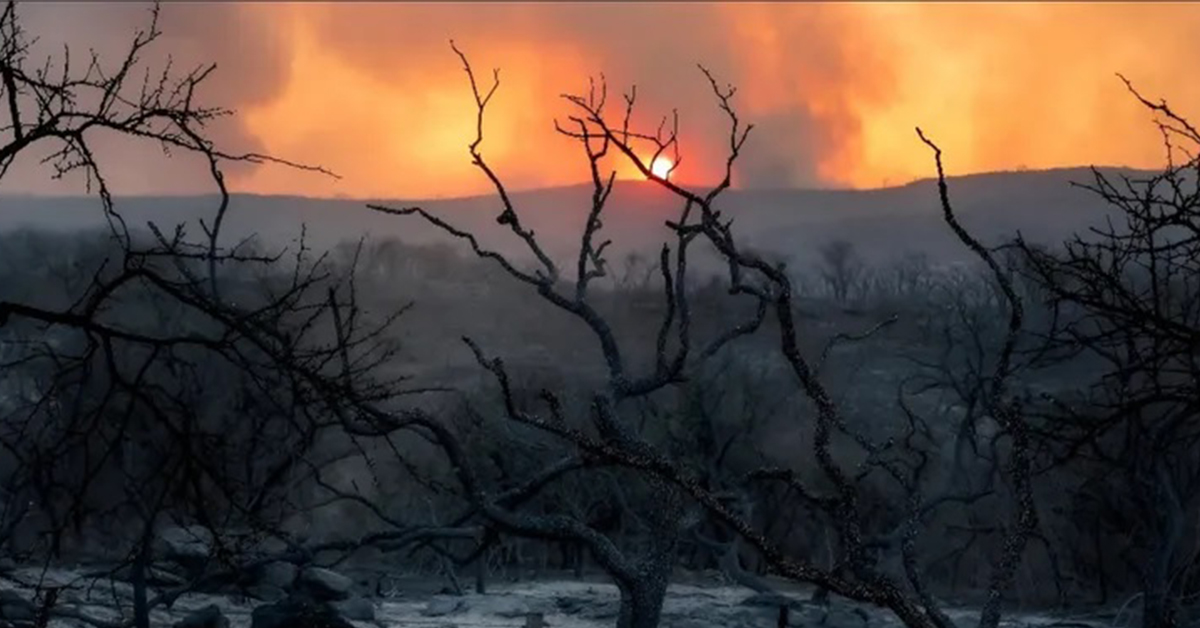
(795, 222)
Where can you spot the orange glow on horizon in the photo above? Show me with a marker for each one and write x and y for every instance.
(835, 90)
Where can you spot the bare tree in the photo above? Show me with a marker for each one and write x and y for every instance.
(1125, 296)
(641, 572)
(613, 438)
(841, 269)
(118, 425)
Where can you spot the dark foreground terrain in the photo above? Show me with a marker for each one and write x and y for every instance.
(704, 601)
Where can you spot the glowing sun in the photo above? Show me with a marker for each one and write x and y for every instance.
(661, 167)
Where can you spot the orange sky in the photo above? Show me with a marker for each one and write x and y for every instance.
(373, 91)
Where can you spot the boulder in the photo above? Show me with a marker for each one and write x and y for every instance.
(773, 601)
(843, 616)
(208, 617)
(693, 622)
(189, 543)
(357, 609)
(324, 585)
(297, 612)
(593, 609)
(156, 576)
(266, 593)
(509, 608)
(440, 606)
(278, 574)
(570, 604)
(14, 608)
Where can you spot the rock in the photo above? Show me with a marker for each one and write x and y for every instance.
(509, 608)
(189, 547)
(296, 612)
(846, 617)
(155, 576)
(570, 604)
(440, 606)
(692, 622)
(7, 564)
(772, 600)
(271, 546)
(14, 608)
(208, 617)
(324, 585)
(266, 593)
(602, 610)
(586, 606)
(186, 543)
(278, 574)
(357, 609)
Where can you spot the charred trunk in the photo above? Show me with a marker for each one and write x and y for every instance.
(642, 598)
(1159, 605)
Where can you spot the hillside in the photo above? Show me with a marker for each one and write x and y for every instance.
(882, 222)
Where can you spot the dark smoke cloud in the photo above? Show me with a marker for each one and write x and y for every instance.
(373, 91)
(251, 54)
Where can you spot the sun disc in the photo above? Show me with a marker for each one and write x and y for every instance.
(661, 167)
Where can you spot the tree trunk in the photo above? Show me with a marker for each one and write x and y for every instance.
(1101, 566)
(580, 554)
(644, 590)
(481, 574)
(642, 601)
(1158, 609)
(141, 606)
(1159, 606)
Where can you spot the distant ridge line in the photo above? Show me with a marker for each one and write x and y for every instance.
(626, 183)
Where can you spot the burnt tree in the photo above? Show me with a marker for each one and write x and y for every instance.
(609, 436)
(1127, 302)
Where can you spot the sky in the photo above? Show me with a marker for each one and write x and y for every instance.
(374, 92)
